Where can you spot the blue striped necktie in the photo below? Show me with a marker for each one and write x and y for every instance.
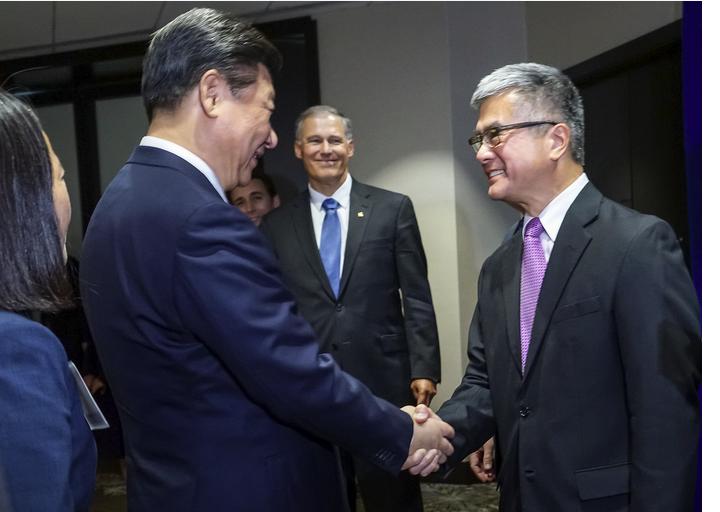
(330, 243)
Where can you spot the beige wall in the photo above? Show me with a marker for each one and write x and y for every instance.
(563, 34)
(404, 72)
(386, 67)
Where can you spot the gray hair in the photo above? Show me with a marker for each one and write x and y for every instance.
(546, 92)
(321, 111)
(195, 42)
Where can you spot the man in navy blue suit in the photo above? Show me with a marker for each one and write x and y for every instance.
(225, 400)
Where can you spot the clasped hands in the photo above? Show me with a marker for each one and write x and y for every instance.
(430, 445)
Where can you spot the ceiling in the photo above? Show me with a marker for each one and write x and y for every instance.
(37, 28)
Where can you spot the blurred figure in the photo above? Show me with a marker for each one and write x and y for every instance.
(47, 454)
(257, 198)
(71, 328)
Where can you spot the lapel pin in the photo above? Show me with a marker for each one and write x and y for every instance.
(361, 214)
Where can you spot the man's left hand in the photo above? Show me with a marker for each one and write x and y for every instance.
(424, 391)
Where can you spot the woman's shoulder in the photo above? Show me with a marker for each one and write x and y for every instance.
(21, 334)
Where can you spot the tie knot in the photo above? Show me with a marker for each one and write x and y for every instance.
(534, 228)
(330, 205)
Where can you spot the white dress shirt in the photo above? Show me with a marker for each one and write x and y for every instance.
(342, 196)
(189, 157)
(553, 214)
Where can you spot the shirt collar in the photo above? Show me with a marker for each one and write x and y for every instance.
(341, 195)
(189, 157)
(553, 214)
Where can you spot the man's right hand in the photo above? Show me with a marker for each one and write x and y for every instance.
(482, 462)
(430, 445)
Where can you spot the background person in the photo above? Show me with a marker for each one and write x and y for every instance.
(225, 400)
(257, 198)
(373, 310)
(47, 453)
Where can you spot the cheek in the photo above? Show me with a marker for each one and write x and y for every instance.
(63, 210)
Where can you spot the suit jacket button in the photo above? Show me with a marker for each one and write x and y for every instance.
(338, 307)
(530, 474)
(524, 411)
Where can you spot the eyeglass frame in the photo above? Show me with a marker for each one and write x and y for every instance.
(481, 137)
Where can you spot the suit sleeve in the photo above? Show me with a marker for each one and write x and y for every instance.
(657, 317)
(229, 290)
(35, 431)
(469, 410)
(420, 325)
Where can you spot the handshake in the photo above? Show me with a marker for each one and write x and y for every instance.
(430, 445)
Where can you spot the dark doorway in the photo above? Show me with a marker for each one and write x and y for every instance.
(634, 126)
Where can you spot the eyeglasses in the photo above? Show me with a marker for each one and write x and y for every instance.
(492, 136)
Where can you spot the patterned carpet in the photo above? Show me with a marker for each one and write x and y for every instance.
(456, 497)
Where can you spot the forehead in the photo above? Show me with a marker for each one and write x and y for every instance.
(323, 124)
(497, 110)
(255, 185)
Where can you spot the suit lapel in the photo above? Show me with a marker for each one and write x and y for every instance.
(571, 242)
(302, 222)
(511, 294)
(358, 217)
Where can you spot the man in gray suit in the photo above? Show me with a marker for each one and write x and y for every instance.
(352, 256)
(584, 346)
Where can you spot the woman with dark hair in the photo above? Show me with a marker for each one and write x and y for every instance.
(47, 453)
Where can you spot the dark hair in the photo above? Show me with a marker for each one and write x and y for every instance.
(32, 272)
(195, 42)
(259, 174)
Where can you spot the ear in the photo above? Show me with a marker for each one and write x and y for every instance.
(351, 148)
(298, 150)
(210, 91)
(276, 201)
(559, 140)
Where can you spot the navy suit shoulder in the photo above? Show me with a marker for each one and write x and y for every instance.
(47, 452)
(227, 390)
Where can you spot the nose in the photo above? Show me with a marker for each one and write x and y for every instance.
(272, 140)
(485, 155)
(325, 147)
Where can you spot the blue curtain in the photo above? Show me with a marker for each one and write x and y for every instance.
(692, 114)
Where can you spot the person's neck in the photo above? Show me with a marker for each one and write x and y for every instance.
(183, 132)
(564, 177)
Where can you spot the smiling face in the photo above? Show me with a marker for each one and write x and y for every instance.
(61, 198)
(253, 200)
(518, 168)
(243, 132)
(325, 150)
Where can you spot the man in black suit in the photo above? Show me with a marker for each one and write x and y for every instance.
(370, 304)
(226, 402)
(584, 346)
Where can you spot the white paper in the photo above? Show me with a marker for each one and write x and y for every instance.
(93, 415)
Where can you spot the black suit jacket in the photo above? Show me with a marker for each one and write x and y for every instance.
(606, 416)
(374, 335)
(226, 403)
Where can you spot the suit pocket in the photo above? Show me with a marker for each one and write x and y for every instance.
(604, 481)
(391, 343)
(576, 309)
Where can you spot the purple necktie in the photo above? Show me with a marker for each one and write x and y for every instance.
(531, 278)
